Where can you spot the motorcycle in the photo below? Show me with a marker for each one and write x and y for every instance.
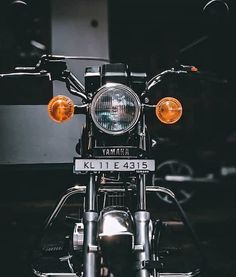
(113, 233)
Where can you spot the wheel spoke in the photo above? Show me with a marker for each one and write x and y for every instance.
(185, 193)
(166, 198)
(172, 169)
(175, 167)
(179, 168)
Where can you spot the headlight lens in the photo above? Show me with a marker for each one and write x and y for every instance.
(115, 109)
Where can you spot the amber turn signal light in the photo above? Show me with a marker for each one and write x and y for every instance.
(169, 110)
(60, 108)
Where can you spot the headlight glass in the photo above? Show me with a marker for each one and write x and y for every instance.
(115, 109)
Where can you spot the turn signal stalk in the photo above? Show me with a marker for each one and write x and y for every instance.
(60, 108)
(169, 110)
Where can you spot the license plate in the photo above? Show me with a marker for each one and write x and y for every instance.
(113, 165)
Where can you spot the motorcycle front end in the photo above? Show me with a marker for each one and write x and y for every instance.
(113, 233)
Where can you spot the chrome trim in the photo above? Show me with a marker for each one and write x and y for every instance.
(115, 221)
(39, 274)
(30, 74)
(71, 191)
(90, 261)
(78, 236)
(148, 189)
(160, 189)
(186, 274)
(82, 190)
(105, 88)
(165, 274)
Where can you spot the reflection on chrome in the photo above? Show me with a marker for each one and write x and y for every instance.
(115, 221)
(179, 274)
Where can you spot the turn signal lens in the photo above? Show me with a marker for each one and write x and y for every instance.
(60, 108)
(169, 110)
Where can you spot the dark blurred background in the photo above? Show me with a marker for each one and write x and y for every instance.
(151, 36)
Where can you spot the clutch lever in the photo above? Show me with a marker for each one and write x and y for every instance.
(56, 68)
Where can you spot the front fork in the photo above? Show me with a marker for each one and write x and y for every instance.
(142, 219)
(144, 263)
(90, 230)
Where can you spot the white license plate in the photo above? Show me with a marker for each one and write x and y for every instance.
(113, 165)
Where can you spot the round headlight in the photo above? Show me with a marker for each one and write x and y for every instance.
(115, 109)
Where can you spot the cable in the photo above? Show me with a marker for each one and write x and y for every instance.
(193, 234)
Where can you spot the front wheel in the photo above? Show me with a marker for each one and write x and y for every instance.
(171, 169)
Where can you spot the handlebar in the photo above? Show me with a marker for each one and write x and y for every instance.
(36, 74)
(55, 68)
(189, 71)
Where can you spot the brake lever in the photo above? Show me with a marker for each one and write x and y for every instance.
(203, 75)
(209, 77)
(190, 71)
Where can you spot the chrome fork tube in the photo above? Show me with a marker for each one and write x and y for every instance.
(142, 217)
(141, 188)
(141, 193)
(90, 230)
(90, 198)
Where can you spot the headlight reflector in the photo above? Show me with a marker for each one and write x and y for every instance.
(115, 109)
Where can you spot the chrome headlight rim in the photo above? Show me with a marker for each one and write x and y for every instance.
(104, 89)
